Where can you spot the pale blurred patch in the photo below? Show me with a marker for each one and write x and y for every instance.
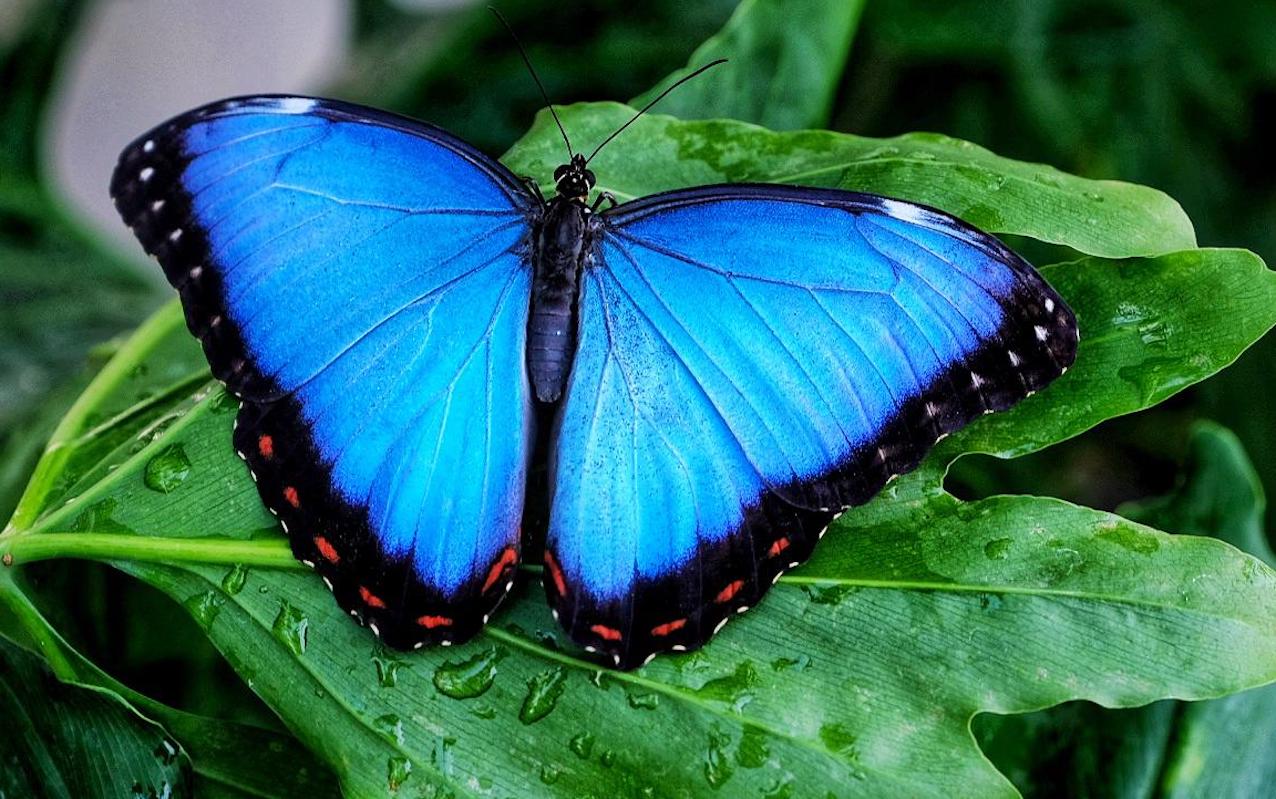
(137, 62)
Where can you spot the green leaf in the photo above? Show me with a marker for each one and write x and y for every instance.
(225, 758)
(67, 740)
(861, 671)
(658, 153)
(785, 60)
(1221, 748)
(945, 608)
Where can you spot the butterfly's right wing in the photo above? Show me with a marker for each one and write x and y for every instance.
(361, 282)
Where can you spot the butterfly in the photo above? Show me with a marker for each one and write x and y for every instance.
(715, 373)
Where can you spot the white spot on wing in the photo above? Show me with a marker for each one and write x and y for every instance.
(1049, 304)
(906, 211)
(146, 173)
(296, 105)
(1040, 331)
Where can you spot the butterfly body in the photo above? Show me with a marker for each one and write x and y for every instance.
(724, 368)
(563, 240)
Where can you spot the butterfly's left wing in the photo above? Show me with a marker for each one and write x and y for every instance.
(752, 360)
(360, 281)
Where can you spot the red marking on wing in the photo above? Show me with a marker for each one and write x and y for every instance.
(779, 546)
(731, 590)
(430, 622)
(326, 549)
(555, 573)
(661, 630)
(372, 600)
(508, 558)
(290, 494)
(606, 633)
(266, 446)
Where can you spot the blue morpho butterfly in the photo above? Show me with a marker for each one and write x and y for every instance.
(714, 373)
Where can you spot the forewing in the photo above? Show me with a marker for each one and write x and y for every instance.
(361, 282)
(753, 360)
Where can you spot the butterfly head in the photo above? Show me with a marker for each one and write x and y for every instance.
(574, 180)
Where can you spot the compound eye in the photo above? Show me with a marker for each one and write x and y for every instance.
(589, 178)
(558, 173)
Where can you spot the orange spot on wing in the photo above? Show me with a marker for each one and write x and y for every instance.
(661, 630)
(266, 446)
(779, 546)
(326, 549)
(372, 600)
(430, 622)
(555, 573)
(508, 558)
(606, 633)
(290, 494)
(731, 590)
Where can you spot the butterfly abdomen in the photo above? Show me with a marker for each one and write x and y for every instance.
(551, 326)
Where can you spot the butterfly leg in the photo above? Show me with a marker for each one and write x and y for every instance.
(535, 189)
(606, 197)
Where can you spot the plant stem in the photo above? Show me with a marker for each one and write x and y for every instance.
(25, 548)
(57, 451)
(33, 623)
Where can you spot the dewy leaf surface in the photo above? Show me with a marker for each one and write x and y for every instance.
(859, 673)
(1219, 748)
(658, 153)
(785, 58)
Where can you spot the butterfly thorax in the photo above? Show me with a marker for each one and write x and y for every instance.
(562, 241)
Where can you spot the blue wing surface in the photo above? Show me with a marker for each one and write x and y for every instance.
(361, 282)
(752, 360)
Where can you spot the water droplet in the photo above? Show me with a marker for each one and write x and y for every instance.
(224, 402)
(543, 692)
(205, 607)
(387, 668)
(607, 759)
(780, 788)
(550, 773)
(290, 628)
(733, 688)
(264, 589)
(1094, 196)
(753, 751)
(1155, 334)
(582, 744)
(234, 580)
(829, 594)
(391, 726)
(97, 518)
(466, 679)
(997, 549)
(643, 701)
(398, 769)
(547, 639)
(484, 711)
(167, 470)
(838, 739)
(601, 679)
(166, 752)
(717, 765)
(799, 663)
(921, 155)
(1131, 539)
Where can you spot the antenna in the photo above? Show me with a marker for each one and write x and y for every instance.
(532, 70)
(648, 106)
